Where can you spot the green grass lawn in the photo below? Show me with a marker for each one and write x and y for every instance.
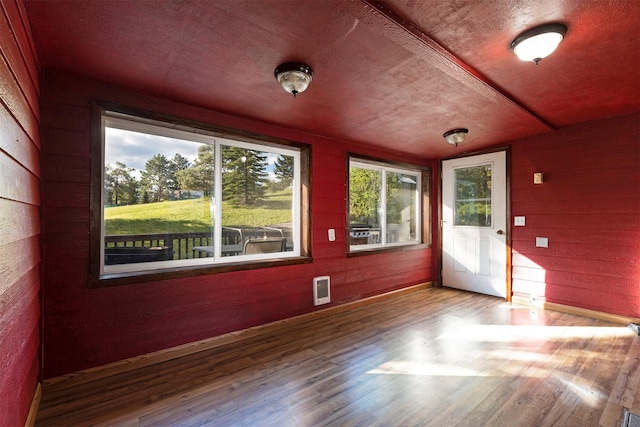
(194, 215)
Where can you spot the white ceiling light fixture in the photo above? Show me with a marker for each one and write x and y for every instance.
(455, 136)
(294, 77)
(539, 42)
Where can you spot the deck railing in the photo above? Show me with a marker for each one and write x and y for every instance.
(183, 244)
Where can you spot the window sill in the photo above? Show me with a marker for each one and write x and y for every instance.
(373, 251)
(118, 279)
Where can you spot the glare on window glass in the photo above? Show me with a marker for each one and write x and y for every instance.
(365, 187)
(401, 207)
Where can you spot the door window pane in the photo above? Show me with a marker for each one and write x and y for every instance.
(473, 196)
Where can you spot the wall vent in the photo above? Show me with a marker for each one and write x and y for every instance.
(321, 290)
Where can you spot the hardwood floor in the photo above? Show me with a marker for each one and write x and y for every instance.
(435, 357)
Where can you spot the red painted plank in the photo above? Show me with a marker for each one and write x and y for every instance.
(15, 100)
(17, 144)
(329, 191)
(65, 220)
(19, 314)
(14, 55)
(18, 221)
(329, 205)
(65, 141)
(61, 168)
(65, 194)
(611, 205)
(68, 116)
(17, 183)
(17, 23)
(16, 259)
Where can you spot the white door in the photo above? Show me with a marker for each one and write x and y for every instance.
(474, 214)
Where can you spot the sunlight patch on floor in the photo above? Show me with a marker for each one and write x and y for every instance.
(423, 369)
(431, 369)
(511, 333)
(587, 393)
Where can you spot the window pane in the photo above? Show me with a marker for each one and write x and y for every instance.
(473, 196)
(157, 197)
(365, 188)
(257, 212)
(402, 192)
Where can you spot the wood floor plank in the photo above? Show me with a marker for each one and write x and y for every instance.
(432, 357)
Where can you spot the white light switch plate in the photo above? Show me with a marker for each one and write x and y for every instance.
(518, 221)
(332, 235)
(542, 242)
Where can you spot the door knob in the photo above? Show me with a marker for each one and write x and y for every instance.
(500, 232)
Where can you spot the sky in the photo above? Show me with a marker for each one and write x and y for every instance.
(134, 149)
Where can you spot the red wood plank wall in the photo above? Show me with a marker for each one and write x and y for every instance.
(89, 327)
(19, 216)
(588, 207)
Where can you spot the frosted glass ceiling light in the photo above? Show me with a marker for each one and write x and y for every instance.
(294, 77)
(455, 136)
(538, 42)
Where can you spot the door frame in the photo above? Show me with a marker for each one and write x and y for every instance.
(507, 151)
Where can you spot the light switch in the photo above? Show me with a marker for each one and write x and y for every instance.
(542, 242)
(332, 235)
(518, 221)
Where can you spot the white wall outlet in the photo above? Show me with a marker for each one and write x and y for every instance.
(542, 242)
(518, 221)
(332, 235)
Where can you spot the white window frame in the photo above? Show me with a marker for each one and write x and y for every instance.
(152, 127)
(383, 168)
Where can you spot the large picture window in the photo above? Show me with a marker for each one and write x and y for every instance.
(385, 205)
(173, 197)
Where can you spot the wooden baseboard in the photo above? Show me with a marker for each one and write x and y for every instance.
(584, 312)
(33, 409)
(160, 356)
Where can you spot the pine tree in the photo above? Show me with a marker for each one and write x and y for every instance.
(156, 177)
(243, 175)
(120, 187)
(177, 164)
(198, 177)
(283, 169)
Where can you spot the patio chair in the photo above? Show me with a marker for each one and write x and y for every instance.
(265, 245)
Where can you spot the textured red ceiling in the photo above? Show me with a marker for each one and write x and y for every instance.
(395, 74)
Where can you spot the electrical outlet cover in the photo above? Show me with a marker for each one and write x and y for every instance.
(542, 242)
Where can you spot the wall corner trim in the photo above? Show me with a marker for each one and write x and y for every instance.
(33, 409)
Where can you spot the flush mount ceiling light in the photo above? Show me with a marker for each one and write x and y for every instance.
(538, 42)
(455, 136)
(294, 77)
